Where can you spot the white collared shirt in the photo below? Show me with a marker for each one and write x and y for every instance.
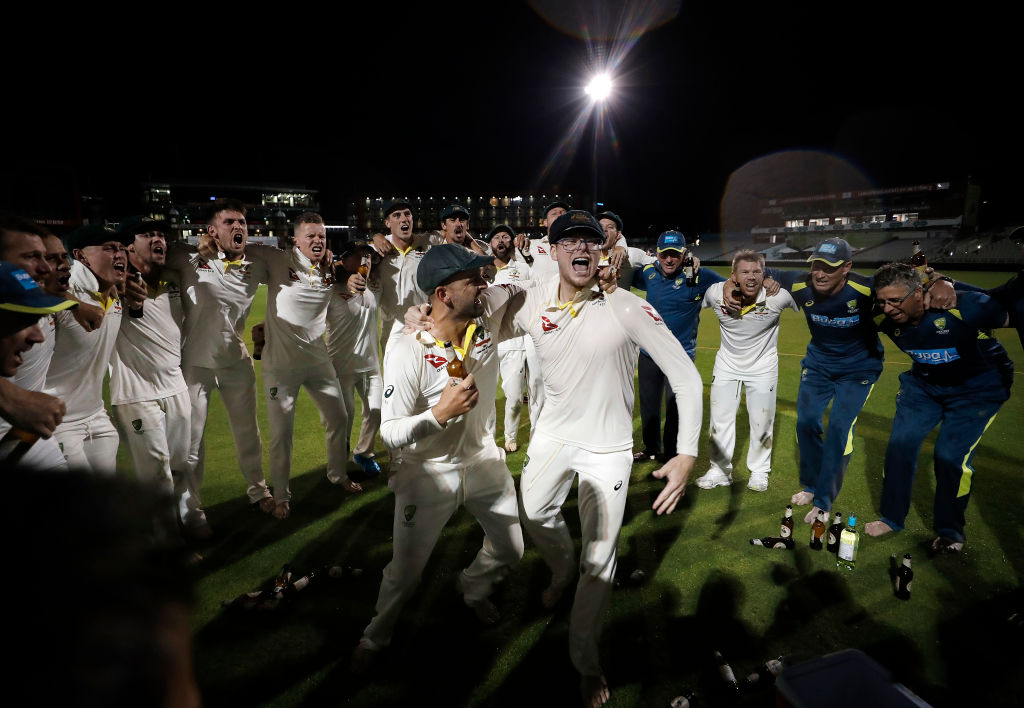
(749, 341)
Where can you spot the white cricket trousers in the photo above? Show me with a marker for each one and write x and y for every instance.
(426, 496)
(545, 483)
(237, 385)
(281, 390)
(725, 401)
(512, 365)
(43, 456)
(157, 434)
(371, 391)
(89, 445)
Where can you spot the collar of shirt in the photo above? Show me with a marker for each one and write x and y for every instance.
(575, 304)
(426, 338)
(762, 297)
(223, 258)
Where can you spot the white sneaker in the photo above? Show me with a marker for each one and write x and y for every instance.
(714, 478)
(758, 481)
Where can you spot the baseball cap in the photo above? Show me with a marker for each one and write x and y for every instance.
(833, 251)
(94, 235)
(671, 240)
(612, 216)
(395, 205)
(353, 246)
(501, 228)
(133, 225)
(20, 293)
(575, 221)
(453, 210)
(552, 205)
(444, 261)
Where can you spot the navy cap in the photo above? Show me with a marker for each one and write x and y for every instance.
(453, 210)
(833, 251)
(395, 205)
(553, 205)
(20, 293)
(576, 222)
(133, 225)
(612, 216)
(671, 241)
(501, 228)
(94, 235)
(444, 261)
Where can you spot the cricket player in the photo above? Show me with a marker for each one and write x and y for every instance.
(80, 359)
(747, 359)
(442, 444)
(299, 288)
(217, 294)
(148, 392)
(959, 378)
(625, 259)
(352, 345)
(397, 270)
(587, 342)
(512, 350)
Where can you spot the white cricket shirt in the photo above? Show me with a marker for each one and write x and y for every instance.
(517, 272)
(749, 340)
(398, 288)
(352, 330)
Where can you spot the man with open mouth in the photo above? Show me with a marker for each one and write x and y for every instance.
(217, 293)
(80, 357)
(588, 342)
(300, 283)
(401, 252)
(148, 392)
(747, 363)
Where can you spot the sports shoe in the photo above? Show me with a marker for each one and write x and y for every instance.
(369, 465)
(714, 478)
(758, 481)
(944, 544)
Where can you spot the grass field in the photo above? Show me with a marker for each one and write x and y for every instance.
(706, 588)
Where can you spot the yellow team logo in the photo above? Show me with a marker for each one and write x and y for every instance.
(851, 304)
(809, 303)
(940, 323)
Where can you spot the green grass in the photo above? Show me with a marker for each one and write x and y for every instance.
(705, 587)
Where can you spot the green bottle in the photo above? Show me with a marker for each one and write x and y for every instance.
(848, 542)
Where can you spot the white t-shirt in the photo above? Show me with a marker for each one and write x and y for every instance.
(517, 272)
(397, 276)
(415, 374)
(635, 260)
(543, 266)
(216, 297)
(297, 297)
(750, 340)
(588, 351)
(31, 375)
(147, 356)
(80, 358)
(352, 330)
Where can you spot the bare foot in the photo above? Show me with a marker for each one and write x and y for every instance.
(812, 515)
(282, 510)
(267, 505)
(801, 498)
(551, 595)
(594, 691)
(362, 659)
(486, 611)
(511, 446)
(877, 528)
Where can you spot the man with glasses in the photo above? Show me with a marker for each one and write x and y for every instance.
(587, 342)
(748, 359)
(959, 378)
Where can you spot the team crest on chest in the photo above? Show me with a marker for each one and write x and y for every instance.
(851, 304)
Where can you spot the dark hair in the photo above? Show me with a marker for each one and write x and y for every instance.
(220, 205)
(11, 223)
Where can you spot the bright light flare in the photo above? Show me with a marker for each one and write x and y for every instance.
(599, 87)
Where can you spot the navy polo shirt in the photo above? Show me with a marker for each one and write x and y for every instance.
(676, 302)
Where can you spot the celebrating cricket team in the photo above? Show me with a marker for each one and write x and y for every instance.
(424, 326)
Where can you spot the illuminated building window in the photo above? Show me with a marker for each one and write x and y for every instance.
(792, 223)
(909, 216)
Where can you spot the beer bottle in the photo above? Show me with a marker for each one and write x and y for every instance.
(136, 311)
(688, 270)
(364, 266)
(301, 584)
(818, 531)
(683, 701)
(833, 532)
(773, 542)
(729, 683)
(456, 368)
(786, 530)
(766, 673)
(283, 578)
(904, 577)
(848, 542)
(918, 260)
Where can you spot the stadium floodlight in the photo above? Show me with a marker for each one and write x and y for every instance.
(599, 87)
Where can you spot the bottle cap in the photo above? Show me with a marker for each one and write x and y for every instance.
(852, 520)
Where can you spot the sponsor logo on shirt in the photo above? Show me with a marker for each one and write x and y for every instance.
(204, 266)
(851, 304)
(388, 391)
(292, 275)
(940, 326)
(618, 485)
(650, 311)
(809, 303)
(540, 249)
(436, 361)
(546, 324)
(409, 512)
(933, 356)
(841, 322)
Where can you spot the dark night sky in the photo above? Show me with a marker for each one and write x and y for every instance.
(476, 97)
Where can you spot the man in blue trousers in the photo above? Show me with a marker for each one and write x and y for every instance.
(960, 377)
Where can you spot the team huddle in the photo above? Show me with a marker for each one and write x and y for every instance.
(553, 318)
